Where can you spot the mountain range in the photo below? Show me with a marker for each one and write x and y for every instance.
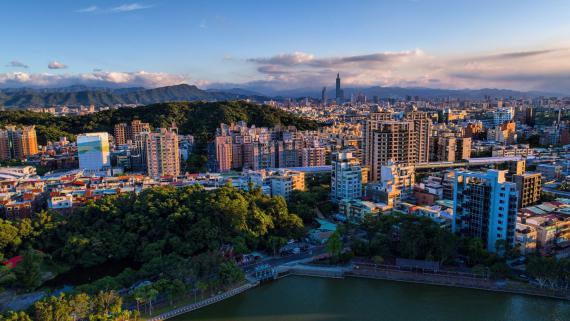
(83, 95)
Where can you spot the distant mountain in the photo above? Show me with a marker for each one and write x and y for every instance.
(81, 95)
(237, 91)
(402, 92)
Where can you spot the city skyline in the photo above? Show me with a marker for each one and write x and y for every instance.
(282, 46)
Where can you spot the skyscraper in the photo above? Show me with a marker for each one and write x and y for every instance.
(324, 96)
(93, 150)
(388, 138)
(163, 156)
(346, 177)
(127, 133)
(18, 143)
(339, 92)
(485, 206)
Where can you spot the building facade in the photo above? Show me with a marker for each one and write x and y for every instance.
(346, 177)
(93, 150)
(163, 156)
(485, 207)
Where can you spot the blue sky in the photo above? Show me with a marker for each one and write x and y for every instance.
(287, 44)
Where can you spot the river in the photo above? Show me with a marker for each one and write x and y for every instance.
(351, 299)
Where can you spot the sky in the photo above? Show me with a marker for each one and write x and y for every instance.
(281, 45)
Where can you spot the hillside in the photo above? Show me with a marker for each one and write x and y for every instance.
(197, 118)
(81, 95)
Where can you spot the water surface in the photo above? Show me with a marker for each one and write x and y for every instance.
(351, 299)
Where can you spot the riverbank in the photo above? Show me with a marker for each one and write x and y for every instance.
(380, 272)
(200, 304)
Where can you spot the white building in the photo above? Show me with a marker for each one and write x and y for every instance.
(485, 206)
(93, 150)
(346, 177)
(503, 115)
(285, 182)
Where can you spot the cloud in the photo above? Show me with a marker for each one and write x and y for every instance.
(89, 9)
(306, 59)
(291, 59)
(111, 79)
(17, 64)
(127, 7)
(544, 69)
(130, 7)
(97, 69)
(56, 65)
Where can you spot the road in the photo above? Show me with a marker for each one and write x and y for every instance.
(276, 261)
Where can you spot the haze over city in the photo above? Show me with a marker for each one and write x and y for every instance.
(271, 46)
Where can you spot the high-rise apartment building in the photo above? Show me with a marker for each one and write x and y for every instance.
(120, 133)
(313, 156)
(529, 186)
(125, 134)
(402, 140)
(238, 146)
(450, 149)
(93, 150)
(502, 115)
(485, 206)
(18, 143)
(346, 177)
(163, 156)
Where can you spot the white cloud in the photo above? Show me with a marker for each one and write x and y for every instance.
(130, 7)
(17, 64)
(127, 7)
(96, 79)
(539, 69)
(56, 65)
(89, 9)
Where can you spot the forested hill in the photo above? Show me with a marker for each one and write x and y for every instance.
(197, 118)
(79, 95)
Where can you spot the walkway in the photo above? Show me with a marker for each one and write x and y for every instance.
(203, 303)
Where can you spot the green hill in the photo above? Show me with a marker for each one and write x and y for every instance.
(79, 95)
(197, 118)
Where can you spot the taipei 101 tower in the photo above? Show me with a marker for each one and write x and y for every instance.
(339, 93)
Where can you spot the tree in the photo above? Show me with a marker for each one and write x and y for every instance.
(16, 316)
(230, 273)
(149, 294)
(276, 242)
(80, 306)
(7, 276)
(334, 245)
(107, 302)
(500, 270)
(28, 272)
(53, 308)
(202, 287)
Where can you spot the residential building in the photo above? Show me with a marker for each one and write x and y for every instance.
(285, 182)
(403, 141)
(529, 186)
(93, 151)
(18, 143)
(346, 177)
(485, 207)
(549, 171)
(125, 134)
(163, 156)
